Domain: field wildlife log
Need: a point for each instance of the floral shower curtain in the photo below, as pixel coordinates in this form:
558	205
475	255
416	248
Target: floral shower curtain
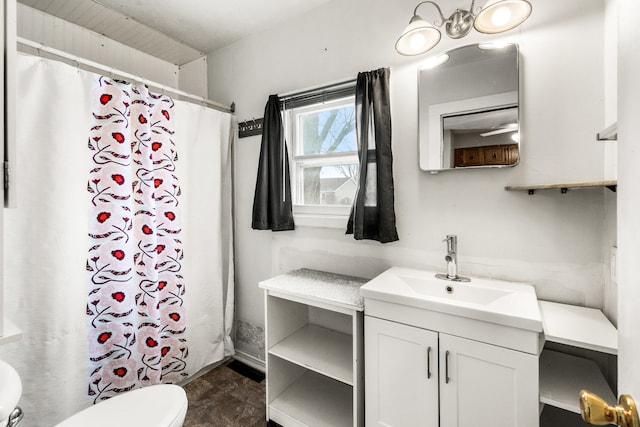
136	292
46	239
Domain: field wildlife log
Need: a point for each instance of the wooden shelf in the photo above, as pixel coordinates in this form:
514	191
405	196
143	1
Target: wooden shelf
531	189
322	350
581	327
562	376
314	400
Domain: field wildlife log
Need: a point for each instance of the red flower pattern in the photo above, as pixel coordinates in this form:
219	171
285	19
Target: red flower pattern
118	296
135	305
104	337
120	371
119	179
118	136
105	98
103	216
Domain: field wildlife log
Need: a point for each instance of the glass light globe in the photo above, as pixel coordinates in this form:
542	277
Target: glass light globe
498	16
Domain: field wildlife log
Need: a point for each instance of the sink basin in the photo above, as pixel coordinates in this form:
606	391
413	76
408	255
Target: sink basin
464	292
496	301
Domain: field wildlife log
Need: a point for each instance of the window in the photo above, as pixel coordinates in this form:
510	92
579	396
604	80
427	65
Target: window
324	158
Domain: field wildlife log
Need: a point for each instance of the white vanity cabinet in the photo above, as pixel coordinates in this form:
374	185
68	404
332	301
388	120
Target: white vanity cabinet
448	354
314	349
486	385
479	384
401	374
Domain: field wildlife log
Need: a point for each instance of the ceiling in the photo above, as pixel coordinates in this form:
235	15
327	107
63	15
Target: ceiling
176	31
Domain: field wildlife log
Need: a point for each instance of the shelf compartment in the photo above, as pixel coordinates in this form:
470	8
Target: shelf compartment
314	400
562	376
319	349
531	189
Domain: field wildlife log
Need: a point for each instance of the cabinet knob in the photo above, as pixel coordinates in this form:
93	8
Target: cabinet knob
596	411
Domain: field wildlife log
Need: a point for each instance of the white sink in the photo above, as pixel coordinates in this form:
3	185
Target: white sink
496	301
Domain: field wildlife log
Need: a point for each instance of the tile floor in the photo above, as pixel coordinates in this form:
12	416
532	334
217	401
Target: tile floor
225	398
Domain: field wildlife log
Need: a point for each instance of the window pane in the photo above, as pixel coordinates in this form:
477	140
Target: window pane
330	185
328	131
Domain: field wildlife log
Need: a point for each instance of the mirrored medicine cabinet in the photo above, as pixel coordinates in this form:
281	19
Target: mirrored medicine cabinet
468	108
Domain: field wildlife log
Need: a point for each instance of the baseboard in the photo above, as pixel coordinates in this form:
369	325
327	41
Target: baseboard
250	360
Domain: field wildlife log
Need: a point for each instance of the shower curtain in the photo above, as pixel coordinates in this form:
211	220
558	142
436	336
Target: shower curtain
136	304
46	237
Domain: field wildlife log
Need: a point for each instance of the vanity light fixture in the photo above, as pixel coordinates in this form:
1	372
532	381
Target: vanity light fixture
496	16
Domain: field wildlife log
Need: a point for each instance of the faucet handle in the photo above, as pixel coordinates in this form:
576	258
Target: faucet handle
452	241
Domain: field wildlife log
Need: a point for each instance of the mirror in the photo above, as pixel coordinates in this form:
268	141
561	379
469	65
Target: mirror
468	108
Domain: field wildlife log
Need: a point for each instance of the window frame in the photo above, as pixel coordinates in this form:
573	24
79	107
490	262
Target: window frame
313	214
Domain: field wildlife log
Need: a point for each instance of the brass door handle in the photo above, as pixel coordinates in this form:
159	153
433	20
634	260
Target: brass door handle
596	411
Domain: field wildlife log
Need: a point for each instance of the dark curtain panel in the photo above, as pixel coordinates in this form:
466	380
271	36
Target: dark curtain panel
272	207
372	215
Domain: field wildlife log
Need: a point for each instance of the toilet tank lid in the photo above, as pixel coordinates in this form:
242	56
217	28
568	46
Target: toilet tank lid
156	405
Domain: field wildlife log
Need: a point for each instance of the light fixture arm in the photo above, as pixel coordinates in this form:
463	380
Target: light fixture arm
458	24
436	23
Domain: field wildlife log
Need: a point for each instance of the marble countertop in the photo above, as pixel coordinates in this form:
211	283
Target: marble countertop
319	285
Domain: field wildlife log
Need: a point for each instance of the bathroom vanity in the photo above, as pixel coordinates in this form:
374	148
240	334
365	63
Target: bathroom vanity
437	352
441	353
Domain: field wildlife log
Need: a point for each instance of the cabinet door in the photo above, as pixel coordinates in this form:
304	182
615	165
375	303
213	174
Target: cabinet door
483	385
401	375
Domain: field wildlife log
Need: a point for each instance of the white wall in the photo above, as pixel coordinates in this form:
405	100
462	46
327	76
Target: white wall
551	240
192	77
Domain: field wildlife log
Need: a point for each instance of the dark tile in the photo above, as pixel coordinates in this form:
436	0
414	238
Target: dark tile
225	398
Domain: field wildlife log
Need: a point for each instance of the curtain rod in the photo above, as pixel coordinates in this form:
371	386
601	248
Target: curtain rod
316	90
124	74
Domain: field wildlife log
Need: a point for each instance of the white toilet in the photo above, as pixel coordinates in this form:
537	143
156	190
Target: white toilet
162	405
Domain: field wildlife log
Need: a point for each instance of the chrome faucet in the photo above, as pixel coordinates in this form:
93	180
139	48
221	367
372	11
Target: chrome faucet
452	261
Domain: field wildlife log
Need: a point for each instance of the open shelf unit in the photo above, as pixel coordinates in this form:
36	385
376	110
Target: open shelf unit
562	375
314	345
